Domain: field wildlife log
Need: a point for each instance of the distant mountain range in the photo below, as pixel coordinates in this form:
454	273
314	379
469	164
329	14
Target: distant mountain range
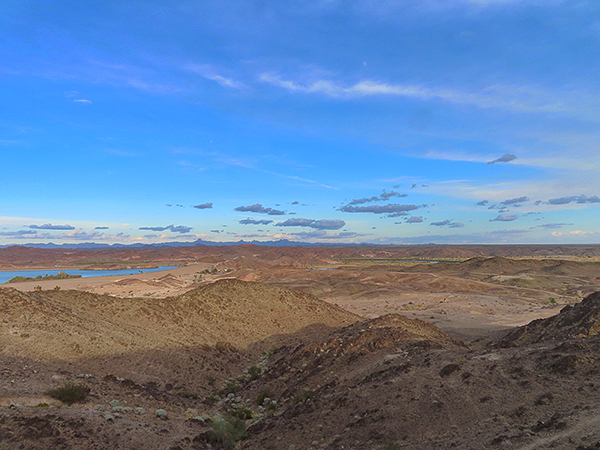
199	242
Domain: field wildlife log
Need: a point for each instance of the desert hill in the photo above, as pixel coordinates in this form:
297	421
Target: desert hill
26	257
385	383
501	265
397	383
578	321
74	323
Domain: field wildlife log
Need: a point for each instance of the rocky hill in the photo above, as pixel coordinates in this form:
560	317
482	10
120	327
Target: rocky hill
579	321
381	384
394	383
74	323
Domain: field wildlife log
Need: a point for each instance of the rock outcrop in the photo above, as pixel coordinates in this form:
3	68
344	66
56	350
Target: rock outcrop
578	321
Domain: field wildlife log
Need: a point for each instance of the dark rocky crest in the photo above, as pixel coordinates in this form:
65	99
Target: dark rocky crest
579	321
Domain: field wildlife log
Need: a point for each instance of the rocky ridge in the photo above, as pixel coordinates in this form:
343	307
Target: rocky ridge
386	383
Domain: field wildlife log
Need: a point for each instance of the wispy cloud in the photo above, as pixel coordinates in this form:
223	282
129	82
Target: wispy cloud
207	71
82	100
580	233
76	235
515	98
323	235
19	233
554	225
117	152
491	237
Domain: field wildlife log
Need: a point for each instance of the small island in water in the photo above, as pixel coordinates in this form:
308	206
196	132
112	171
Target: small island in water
62	275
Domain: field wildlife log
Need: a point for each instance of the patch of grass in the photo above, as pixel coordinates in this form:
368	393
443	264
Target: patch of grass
70	393
305	396
226	431
43	405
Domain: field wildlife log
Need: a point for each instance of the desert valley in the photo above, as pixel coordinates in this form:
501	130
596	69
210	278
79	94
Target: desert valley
298	348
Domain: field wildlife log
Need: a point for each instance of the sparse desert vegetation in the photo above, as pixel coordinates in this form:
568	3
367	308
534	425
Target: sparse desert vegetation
69	393
287	363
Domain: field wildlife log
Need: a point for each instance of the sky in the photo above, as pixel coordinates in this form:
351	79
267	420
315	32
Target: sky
324	121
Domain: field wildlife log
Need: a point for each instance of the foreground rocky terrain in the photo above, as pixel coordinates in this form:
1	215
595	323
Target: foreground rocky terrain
251	366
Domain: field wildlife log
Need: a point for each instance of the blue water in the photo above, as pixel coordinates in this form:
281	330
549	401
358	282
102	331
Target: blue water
5	276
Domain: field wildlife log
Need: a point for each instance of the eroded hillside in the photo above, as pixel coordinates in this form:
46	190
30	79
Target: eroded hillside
171	374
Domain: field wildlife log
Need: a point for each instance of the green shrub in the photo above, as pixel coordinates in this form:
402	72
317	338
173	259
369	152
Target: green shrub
211	400
231	387
270	411
241	413
188	394
226	431
43	405
265	393
391	446
305	396
70	393
254	372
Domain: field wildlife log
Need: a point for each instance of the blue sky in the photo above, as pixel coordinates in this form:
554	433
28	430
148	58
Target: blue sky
408	121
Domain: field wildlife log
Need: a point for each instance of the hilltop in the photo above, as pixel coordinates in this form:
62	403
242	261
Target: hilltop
242	314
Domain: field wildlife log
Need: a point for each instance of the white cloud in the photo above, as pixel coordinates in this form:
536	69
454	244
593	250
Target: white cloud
82	100
525	99
390	8
575	233
208	72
